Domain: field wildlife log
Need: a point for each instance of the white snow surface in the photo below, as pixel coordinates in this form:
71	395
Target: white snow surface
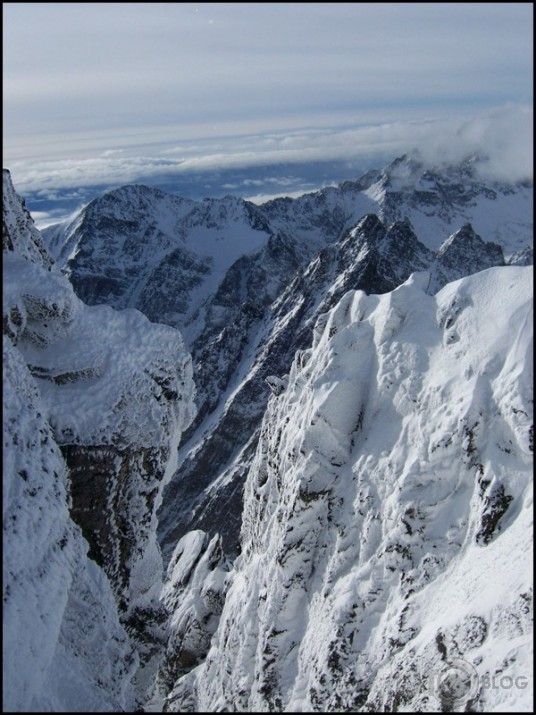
387	528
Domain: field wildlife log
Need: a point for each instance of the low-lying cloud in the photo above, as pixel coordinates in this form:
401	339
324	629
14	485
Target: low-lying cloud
504	136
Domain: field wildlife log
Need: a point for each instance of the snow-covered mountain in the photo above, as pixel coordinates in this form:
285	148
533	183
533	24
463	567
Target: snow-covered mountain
231	275
343	515
138	247
387	516
436	201
95	402
370	257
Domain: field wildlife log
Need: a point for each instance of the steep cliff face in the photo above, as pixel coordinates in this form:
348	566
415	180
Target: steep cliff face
98	400
64	646
463	254
18	231
386	527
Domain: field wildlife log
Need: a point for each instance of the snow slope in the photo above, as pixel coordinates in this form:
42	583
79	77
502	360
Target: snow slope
387	521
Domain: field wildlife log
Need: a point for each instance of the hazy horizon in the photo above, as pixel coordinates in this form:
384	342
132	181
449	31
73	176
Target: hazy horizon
257	99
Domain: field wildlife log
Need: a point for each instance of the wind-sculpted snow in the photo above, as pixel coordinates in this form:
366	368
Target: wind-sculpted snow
387	518
64	648
96	402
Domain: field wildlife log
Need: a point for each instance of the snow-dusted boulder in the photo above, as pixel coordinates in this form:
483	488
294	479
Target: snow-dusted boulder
193	593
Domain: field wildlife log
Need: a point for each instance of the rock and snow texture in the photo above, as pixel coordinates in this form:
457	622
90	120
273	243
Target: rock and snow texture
387	522
437	202
193	594
95	404
139	247
18	231
385	530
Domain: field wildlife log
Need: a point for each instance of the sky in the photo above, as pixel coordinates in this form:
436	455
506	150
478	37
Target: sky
258	98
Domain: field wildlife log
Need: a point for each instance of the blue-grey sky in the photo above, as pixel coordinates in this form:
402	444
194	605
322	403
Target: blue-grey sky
99	93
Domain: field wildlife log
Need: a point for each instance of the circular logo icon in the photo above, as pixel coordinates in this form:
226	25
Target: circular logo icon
455	683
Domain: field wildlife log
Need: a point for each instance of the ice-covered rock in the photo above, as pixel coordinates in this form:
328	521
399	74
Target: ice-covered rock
193	593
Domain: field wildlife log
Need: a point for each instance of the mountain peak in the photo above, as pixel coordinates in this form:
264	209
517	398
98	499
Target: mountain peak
369	225
464	237
19	233
464	253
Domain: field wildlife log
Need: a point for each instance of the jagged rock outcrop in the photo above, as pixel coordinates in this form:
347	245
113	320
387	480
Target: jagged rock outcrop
524	257
194	594
18	231
108	395
386	528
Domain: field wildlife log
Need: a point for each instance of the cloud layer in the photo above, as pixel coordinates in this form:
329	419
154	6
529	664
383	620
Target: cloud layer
505	135
103	94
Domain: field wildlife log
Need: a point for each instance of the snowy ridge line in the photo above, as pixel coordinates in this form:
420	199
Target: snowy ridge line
371	257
